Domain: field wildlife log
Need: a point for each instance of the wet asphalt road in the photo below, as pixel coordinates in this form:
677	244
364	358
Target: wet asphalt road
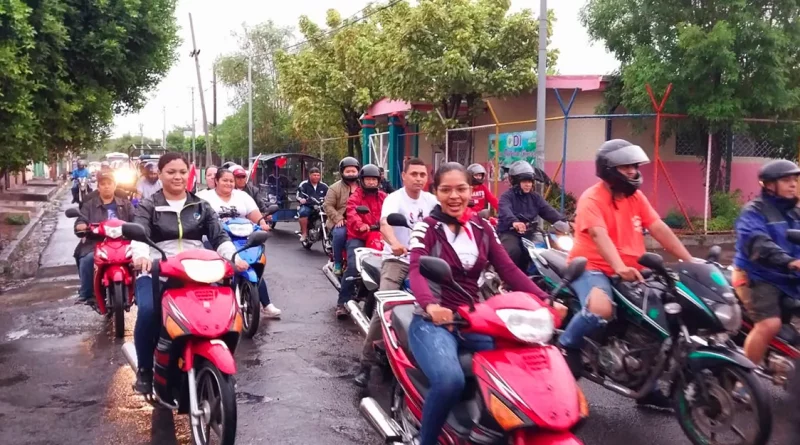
63	379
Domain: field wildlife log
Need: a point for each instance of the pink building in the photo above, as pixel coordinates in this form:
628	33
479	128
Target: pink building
584	135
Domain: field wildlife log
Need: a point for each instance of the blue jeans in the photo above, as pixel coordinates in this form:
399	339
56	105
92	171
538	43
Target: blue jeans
346	291
339	241
585	323
148	323
436	351
86	274
304	211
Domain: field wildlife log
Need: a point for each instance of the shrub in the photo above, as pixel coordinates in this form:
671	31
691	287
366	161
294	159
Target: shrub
17	220
675	220
725	208
554	199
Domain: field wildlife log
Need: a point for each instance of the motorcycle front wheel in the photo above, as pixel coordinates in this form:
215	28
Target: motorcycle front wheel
216	398
251	313
712	420
118	306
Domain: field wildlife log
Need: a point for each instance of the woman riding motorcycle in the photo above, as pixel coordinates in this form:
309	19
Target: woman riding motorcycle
175	220
480	193
468	244
230	203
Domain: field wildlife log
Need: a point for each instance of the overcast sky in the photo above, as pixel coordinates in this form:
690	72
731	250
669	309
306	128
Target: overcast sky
215	21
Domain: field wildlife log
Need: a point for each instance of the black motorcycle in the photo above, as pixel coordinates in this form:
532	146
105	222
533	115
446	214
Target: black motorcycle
671	333
316	227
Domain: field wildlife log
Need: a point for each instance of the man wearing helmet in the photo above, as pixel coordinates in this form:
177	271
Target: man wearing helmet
80	172
335	205
519	206
480	193
609	232
386	186
240	178
148	184
369	194
766	262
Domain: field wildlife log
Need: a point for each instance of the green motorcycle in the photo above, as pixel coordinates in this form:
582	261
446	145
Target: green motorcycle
670	334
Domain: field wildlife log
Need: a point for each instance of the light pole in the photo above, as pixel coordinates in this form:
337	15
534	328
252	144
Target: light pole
194	153
541	88
249	109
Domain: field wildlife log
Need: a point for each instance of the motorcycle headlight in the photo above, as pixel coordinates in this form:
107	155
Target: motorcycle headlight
113	232
528	326
273	199
124	176
241	230
565	242
730	315
203	271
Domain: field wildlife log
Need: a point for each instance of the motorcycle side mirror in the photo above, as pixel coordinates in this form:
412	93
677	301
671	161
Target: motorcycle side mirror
272	209
484	213
793	236
362	210
575	269
714	253
72	213
436	270
397	220
653	261
561	227
256	239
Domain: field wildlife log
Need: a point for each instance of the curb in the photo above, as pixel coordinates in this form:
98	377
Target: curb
12	249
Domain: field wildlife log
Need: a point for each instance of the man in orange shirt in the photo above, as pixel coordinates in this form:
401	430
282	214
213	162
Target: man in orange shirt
609	223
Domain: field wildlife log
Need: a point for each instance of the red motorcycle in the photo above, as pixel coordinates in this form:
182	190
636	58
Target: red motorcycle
520	393
202	323
113	270
374	241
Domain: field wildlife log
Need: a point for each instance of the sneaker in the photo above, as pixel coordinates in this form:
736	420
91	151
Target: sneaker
302	238
337	269
144	382
574	360
362	378
81	300
341	312
271	311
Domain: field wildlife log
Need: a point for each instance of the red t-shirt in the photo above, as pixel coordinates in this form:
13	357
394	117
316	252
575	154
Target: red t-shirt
624	219
481	195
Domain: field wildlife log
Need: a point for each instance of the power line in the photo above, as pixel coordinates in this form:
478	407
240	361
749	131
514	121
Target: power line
352	20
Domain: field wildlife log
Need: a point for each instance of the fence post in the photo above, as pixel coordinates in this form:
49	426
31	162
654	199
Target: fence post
565	110
708	186
658	108
496	148
367	130
392	164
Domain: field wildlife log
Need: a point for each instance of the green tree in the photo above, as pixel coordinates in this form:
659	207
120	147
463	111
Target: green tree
272	129
86	61
450	52
333	78
727	60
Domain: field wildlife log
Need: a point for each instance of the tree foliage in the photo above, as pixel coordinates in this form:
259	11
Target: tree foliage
333	78
67	66
271	112
727	60
445	52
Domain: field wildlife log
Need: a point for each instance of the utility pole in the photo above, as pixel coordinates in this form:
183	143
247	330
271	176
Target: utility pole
249	109
141	133
194	153
164	131
541	88
195	52
214	94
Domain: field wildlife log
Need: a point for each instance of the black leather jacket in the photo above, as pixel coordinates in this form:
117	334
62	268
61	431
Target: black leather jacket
197	218
92	212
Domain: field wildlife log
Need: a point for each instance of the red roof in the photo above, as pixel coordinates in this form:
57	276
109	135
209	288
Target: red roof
583	82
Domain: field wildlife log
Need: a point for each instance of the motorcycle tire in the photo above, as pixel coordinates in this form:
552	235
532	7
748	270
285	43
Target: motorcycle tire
213	385
251	309
118	306
759	401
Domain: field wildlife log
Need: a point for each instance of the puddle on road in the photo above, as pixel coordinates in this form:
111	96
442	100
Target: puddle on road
16	335
251	399
13	380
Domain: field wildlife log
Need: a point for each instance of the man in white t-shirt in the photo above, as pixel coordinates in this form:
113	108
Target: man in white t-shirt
415	204
148	184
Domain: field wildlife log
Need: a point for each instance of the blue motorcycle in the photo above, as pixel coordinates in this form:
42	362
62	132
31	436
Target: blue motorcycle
246	283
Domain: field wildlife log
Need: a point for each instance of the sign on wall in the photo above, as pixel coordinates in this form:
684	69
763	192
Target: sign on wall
517	146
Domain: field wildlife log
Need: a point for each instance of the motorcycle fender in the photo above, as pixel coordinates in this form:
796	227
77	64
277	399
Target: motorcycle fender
711	357
114	274
215	351
249	275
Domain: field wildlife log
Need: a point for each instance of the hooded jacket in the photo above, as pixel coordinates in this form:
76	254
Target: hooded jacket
516	206
353	220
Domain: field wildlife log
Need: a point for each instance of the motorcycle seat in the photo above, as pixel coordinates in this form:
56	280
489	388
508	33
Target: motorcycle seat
401	321
557	261
372	266
790	304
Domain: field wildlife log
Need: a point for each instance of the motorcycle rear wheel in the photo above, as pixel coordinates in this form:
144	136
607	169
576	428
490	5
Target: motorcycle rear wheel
703	421
251	313
118	306
216	397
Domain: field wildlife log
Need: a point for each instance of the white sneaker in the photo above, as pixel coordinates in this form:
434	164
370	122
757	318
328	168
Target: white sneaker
271	311
302	238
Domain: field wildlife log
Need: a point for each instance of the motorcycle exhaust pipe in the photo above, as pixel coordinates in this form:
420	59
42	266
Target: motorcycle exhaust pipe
358	317
129	351
377	417
328	271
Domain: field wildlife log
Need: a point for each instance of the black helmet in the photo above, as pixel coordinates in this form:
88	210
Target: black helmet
476	169
616	153
521	171
774	170
348	162
369	171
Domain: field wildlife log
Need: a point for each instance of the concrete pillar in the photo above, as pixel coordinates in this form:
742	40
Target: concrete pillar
367	130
